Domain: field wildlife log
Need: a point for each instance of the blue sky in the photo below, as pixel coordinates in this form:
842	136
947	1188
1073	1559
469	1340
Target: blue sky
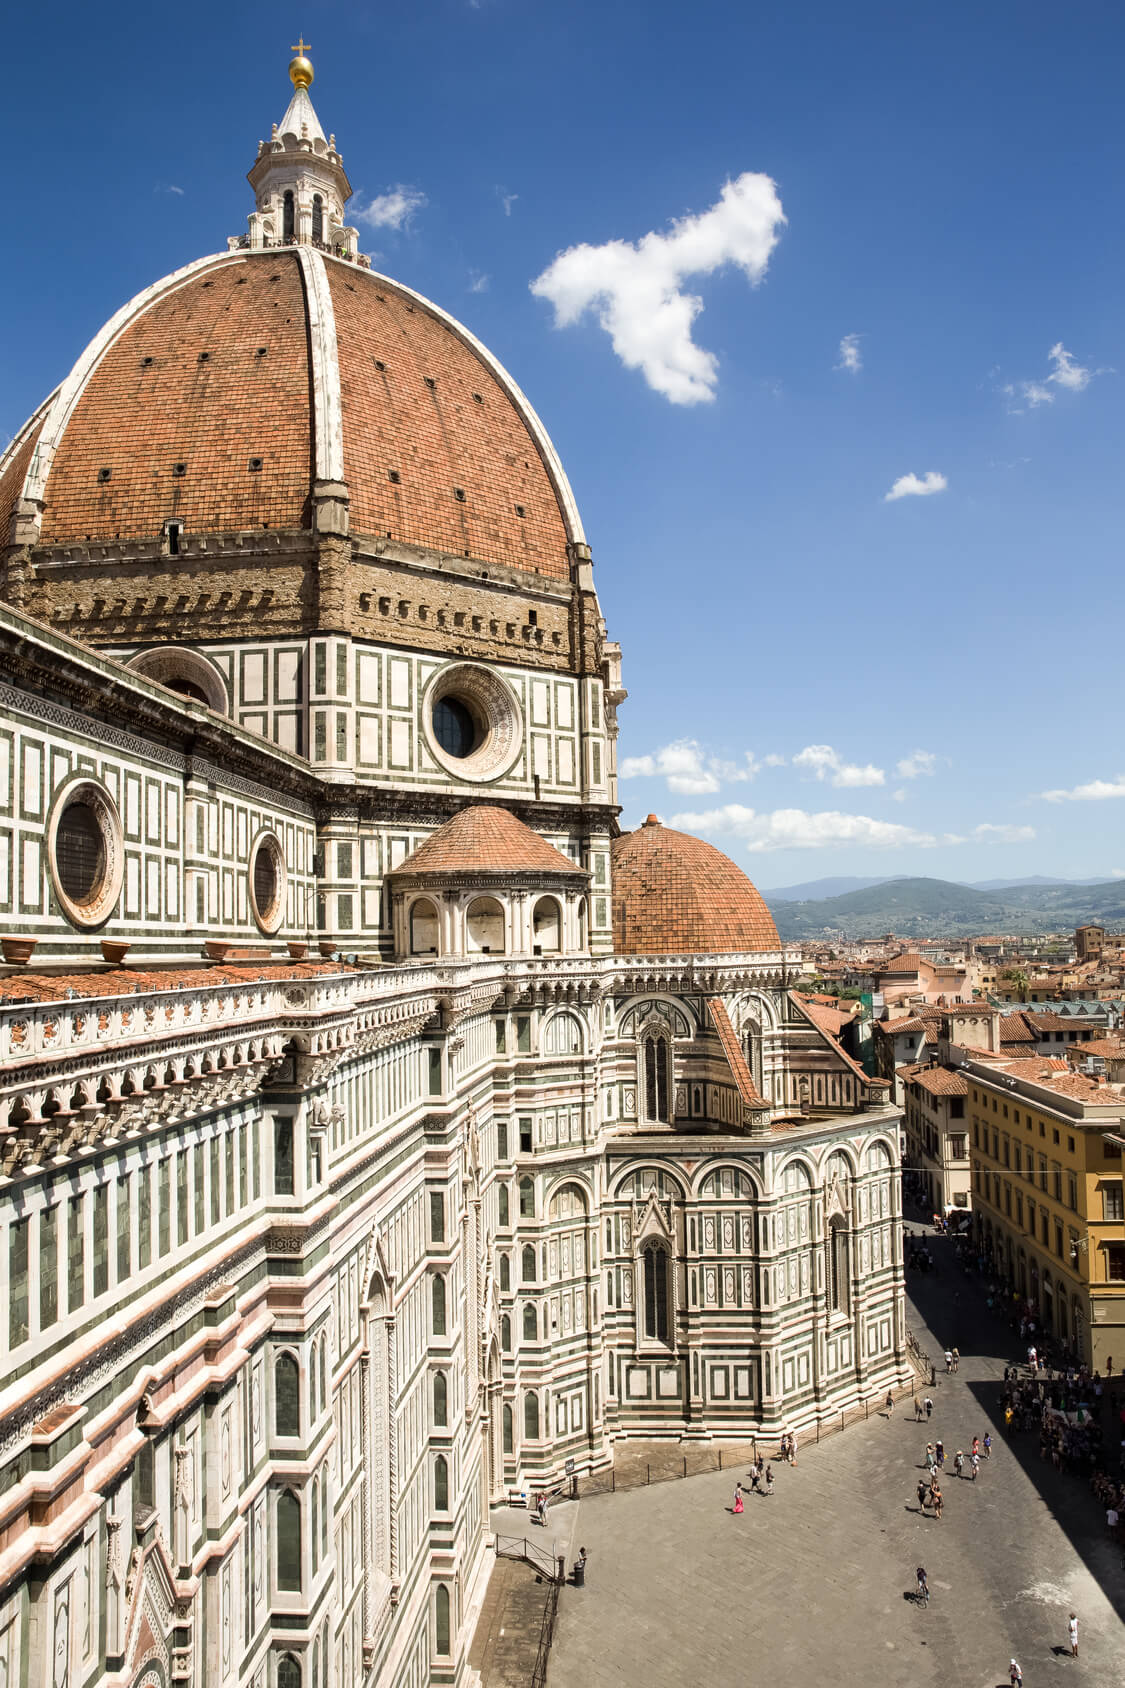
822	680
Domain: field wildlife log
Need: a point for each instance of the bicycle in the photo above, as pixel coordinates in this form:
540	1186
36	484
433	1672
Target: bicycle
923	1591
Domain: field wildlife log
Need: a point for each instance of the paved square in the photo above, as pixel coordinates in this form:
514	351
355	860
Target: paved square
808	1585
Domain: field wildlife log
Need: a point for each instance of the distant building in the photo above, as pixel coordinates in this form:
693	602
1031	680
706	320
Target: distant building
1089	942
936	1136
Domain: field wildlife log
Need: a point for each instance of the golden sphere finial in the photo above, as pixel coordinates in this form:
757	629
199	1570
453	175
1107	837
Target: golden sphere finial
300	68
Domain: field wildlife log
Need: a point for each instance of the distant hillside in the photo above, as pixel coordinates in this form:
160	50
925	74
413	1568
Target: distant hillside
813	889
932	908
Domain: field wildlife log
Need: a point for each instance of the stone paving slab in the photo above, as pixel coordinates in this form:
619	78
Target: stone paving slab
809	1585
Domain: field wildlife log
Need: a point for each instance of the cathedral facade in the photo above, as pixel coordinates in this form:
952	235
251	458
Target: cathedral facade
382	1130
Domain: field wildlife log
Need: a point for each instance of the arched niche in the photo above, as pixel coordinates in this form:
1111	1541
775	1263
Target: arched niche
547	927
423	921
484	927
185	671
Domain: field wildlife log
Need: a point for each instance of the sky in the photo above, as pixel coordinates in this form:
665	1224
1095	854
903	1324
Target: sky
821	306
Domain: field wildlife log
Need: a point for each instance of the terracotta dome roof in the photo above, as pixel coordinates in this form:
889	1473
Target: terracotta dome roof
219	397
486	839
675	895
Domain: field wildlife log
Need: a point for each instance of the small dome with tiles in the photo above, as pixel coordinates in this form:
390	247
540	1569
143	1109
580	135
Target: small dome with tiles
676	895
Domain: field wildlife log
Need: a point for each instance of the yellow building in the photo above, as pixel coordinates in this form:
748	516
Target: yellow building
1046	1152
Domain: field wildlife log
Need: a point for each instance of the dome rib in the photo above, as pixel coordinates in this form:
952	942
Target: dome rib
676	895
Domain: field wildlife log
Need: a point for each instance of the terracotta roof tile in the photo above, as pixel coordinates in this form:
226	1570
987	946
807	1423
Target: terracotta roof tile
486	839
136	981
736	1060
675	895
939	1081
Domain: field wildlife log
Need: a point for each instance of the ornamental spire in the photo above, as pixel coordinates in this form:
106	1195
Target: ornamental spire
300	187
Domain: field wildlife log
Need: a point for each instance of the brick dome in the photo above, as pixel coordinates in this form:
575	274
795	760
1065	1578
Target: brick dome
675	895
221	397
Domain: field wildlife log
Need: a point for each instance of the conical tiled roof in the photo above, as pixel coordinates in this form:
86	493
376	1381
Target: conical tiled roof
486	839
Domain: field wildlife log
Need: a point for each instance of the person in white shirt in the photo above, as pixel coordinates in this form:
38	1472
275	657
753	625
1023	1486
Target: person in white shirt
1072	1630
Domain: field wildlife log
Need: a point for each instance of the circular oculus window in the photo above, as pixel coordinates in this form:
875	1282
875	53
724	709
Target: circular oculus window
268	881
472	722
85	852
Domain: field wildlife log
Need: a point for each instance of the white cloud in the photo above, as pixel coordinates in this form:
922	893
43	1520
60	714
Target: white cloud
688	768
917	763
1066	372
636	288
391	210
900	795
801	829
773	760
478	281
1092	792
828	764
168	187
1117	873
910	486
506	199
988	833
850	358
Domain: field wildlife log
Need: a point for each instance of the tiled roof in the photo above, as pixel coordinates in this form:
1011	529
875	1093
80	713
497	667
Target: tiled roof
1109	1048
1015	1029
736	1060
833	1044
829	1019
212	371
485	839
137	981
912	1023
675	895
1051	1022
907	962
940	1081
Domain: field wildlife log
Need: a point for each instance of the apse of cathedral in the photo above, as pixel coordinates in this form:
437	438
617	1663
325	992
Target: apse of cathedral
383	1131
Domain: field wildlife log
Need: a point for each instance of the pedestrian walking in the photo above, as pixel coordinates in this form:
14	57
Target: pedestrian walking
793	1448
889	1403
1032	1359
1072	1629
937	1500
930	1458
738	1505
959	1463
975	1449
754	1478
923	1494
919	1410
939	1455
975	1463
769	1479
1015	1675
956	1358
929	1406
948	1361
988	1445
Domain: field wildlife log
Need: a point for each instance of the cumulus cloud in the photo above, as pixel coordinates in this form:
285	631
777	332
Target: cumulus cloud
827	764
850	358
802	829
1068	373
688	768
919	762
1092	792
913	486
391	210
636	288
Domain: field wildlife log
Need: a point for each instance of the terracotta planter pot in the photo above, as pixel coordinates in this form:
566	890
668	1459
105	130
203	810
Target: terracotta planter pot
18	951
114	951
217	950
327	948
297	952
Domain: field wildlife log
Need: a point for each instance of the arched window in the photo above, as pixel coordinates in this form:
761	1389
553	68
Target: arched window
312	1387
288	1542
656	1292
530	1323
316	1663
527	1199
838	1269
286	1396
323	1656
438	1294
324	1515
505	1272
318	217
441	1484
289	1671
527	1265
287	217
441	1398
314	1533
423	928
508	1447
441	1620
484	926
506	1334
531	1416
324	1372
502	1205
546	927
657	1064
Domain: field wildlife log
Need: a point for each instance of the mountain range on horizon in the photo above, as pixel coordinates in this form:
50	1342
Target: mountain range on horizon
934	908
836	885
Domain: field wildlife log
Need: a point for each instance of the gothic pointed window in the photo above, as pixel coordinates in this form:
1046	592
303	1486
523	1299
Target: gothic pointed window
318	217
838	1266
507	1428
530	1324
288	1542
441	1484
656	1292
287	216
441	1398
657	1071
531	1416
286	1396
